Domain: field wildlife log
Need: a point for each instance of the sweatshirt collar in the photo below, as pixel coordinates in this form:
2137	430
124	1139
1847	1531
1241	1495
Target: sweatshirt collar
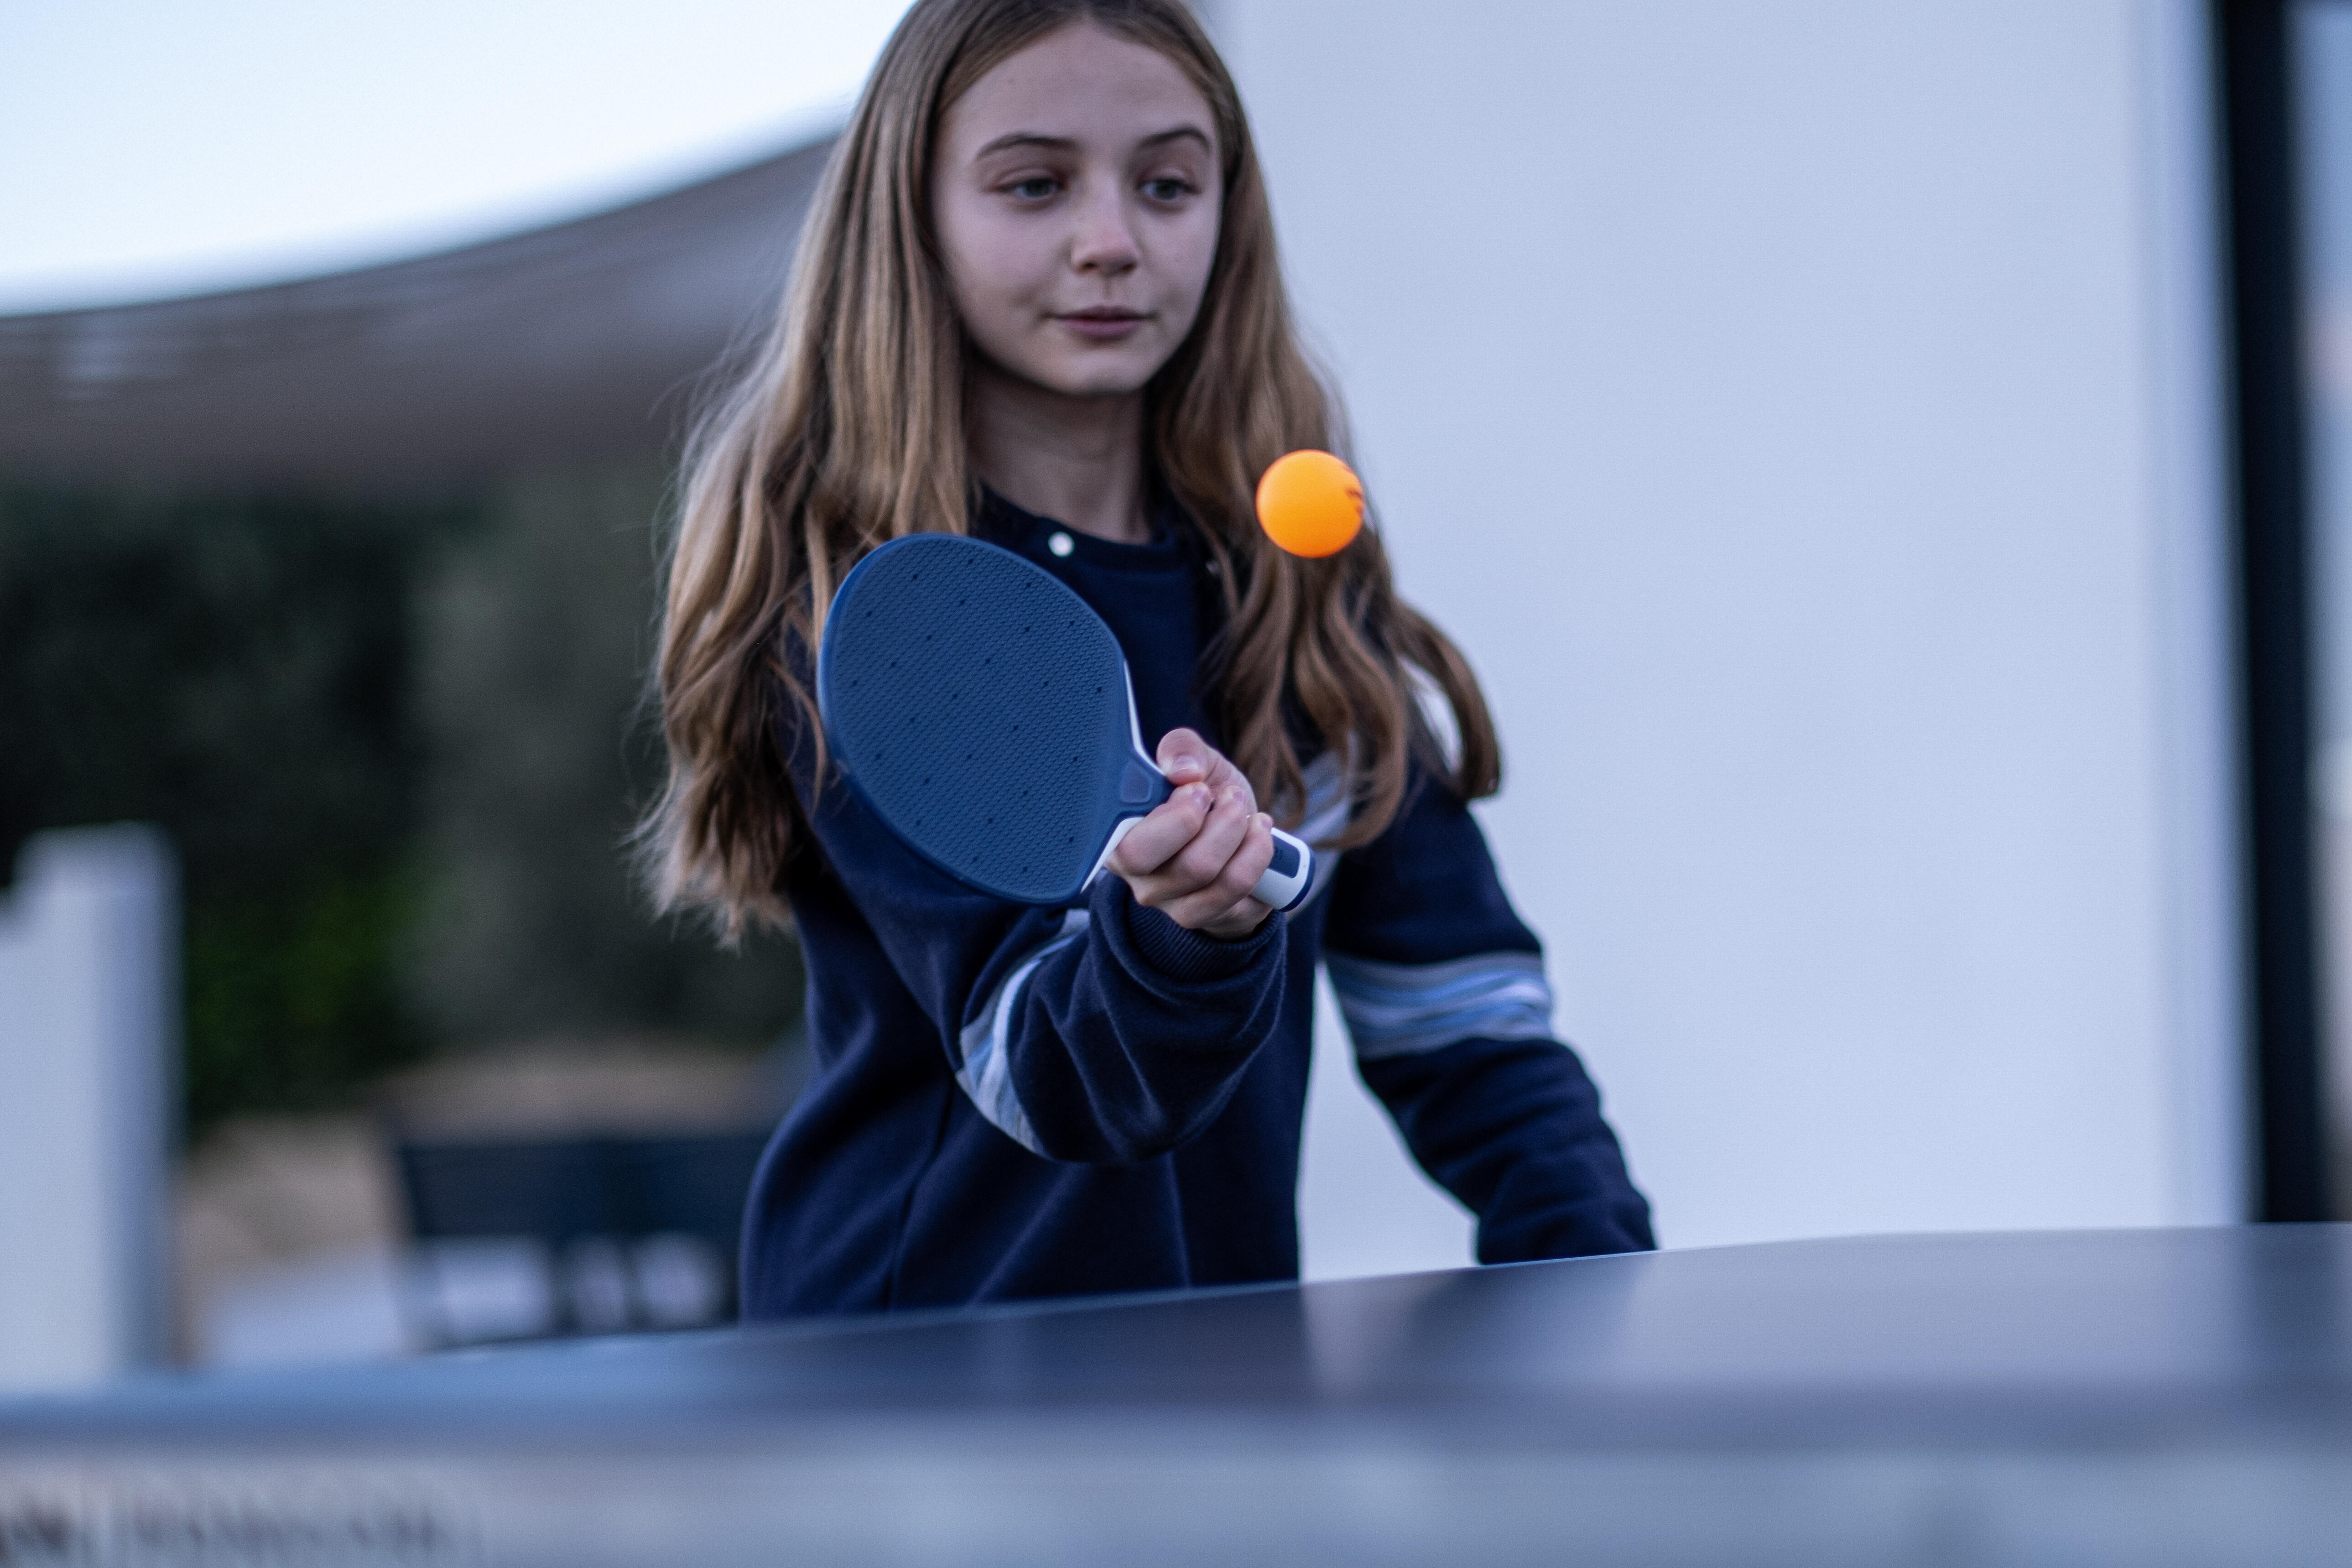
1000	521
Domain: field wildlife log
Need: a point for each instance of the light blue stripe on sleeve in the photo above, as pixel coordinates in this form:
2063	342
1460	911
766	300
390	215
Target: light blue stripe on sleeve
1404	1009
986	1073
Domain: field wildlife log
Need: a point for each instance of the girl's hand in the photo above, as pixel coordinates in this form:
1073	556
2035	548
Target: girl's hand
1202	850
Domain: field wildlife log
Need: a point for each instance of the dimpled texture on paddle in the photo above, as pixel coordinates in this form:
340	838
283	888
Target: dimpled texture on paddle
980	707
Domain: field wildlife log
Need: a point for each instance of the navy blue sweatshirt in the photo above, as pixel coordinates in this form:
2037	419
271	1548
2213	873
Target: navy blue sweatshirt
1012	1102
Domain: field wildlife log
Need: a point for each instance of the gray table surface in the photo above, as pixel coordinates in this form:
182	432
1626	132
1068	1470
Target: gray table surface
2120	1397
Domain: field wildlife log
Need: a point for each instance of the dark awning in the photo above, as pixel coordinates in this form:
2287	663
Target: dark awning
589	338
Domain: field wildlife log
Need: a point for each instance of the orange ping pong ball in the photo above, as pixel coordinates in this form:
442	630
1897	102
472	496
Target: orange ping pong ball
1311	503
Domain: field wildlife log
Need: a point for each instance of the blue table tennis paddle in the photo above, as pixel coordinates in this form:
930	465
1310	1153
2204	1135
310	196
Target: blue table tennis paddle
983	711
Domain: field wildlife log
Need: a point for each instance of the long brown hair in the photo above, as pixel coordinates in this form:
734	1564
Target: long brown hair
848	430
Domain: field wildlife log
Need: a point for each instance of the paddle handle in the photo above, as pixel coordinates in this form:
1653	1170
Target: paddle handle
1283	886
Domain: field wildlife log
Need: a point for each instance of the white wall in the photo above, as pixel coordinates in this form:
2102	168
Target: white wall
1805	414
88	1015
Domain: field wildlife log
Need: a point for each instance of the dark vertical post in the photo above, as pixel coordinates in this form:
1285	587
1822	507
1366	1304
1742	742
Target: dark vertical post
2275	605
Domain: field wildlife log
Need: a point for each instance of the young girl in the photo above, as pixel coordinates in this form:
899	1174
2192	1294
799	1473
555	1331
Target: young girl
1036	300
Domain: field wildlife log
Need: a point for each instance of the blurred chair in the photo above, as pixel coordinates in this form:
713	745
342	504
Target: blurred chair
531	1238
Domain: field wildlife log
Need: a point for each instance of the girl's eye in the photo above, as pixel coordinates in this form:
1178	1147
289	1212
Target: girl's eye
1168	188
1036	188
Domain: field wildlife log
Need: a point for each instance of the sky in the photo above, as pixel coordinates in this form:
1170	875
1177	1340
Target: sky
149	148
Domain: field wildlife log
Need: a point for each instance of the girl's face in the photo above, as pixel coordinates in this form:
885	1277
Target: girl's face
1076	195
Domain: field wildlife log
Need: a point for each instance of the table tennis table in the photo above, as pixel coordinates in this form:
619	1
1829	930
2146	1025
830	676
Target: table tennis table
2146	1397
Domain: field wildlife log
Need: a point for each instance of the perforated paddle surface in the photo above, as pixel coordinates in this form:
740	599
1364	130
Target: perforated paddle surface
980	707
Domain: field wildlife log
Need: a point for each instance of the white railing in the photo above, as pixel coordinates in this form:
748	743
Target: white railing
89	1036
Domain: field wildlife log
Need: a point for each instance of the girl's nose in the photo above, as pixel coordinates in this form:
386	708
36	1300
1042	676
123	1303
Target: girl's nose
1105	241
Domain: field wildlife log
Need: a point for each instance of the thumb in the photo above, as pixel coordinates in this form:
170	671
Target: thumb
1184	757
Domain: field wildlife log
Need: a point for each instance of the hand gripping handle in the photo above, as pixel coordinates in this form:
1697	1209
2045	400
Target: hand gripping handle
1281	887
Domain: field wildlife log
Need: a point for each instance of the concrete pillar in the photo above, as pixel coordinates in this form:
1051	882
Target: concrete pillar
89	1039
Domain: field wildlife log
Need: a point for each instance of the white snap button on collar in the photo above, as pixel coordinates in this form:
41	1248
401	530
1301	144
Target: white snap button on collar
1061	543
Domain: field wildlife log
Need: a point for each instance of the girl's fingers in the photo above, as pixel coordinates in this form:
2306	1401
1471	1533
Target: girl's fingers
1203	841
1163	834
1186	758
1227	896
1222	905
1199	863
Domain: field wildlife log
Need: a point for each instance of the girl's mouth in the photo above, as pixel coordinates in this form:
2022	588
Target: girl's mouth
1103	323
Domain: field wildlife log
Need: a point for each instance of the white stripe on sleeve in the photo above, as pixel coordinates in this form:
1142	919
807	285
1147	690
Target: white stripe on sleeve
1404	1009
986	1073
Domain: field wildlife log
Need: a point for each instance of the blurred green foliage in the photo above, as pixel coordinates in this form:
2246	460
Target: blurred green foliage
537	632
398	746
234	668
294	995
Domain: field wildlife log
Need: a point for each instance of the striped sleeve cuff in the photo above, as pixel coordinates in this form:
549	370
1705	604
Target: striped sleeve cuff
1404	1009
